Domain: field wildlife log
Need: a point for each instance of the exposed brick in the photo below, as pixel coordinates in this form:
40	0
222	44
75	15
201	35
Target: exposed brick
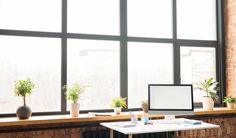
202	133
233	136
4	135
48	132
59	132
230	44
75	136
61	137
227	130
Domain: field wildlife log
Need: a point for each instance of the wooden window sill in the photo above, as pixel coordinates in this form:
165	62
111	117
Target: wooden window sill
86	118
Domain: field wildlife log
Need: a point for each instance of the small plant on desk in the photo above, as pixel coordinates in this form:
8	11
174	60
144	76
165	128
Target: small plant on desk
118	103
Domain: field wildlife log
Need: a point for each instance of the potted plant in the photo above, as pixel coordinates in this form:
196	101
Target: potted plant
210	88
22	89
73	94
230	102
118	103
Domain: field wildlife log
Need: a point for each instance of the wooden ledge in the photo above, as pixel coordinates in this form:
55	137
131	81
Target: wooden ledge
87	118
216	111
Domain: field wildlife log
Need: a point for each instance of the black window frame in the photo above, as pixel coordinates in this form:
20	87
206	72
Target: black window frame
123	38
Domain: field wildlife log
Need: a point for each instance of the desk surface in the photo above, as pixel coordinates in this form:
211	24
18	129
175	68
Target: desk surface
155	127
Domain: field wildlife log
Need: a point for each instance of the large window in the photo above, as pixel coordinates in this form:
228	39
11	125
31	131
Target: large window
114	47
197	58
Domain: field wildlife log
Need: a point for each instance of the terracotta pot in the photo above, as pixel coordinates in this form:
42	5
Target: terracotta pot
207	103
74	109
230	105
117	110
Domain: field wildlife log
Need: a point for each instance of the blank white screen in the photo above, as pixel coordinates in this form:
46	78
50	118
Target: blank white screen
170	97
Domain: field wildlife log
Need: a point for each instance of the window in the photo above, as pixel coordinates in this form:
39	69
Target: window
147	63
114	47
93	16
152	18
196	19
197	64
94	64
33	15
34	58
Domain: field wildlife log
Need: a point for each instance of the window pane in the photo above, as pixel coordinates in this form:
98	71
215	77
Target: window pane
94	64
34	58
197	64
36	15
150	18
196	19
93	16
147	63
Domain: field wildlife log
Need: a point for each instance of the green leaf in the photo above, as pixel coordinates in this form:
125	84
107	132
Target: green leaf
23	87
229	99
119	102
73	93
210	87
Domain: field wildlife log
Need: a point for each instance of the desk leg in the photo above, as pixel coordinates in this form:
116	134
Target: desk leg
130	136
111	133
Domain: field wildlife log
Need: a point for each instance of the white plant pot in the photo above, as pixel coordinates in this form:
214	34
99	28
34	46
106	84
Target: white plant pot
74	109
117	110
207	103
230	105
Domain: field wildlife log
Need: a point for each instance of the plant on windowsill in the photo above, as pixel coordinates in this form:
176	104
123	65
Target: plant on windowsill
73	94
22	89
118	104
144	105
229	100
210	88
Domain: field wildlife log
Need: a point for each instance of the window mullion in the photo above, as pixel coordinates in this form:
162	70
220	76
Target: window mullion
64	55
123	49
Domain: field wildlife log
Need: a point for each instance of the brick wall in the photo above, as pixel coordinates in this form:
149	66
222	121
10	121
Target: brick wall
230	43
227	130
51	133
